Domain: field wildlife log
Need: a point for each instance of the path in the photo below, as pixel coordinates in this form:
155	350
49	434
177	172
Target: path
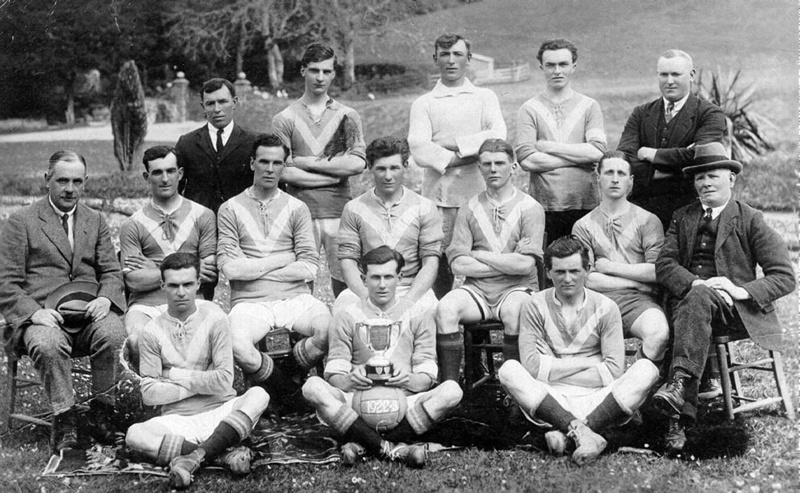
156	132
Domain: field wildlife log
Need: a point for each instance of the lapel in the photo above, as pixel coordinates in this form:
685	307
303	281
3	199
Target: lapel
233	141
692	221
203	141
52	229
684	121
81	232
651	120
727	222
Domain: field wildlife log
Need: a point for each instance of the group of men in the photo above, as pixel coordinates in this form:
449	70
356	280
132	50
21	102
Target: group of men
258	209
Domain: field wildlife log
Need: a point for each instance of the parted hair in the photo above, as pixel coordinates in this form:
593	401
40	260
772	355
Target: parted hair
215	84
614	155
379	256
497	145
65	156
447	40
318	52
385	147
180	260
156	152
268	140
564	247
558	44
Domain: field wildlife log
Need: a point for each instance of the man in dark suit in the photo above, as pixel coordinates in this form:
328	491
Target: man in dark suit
708	265
659	136
52	242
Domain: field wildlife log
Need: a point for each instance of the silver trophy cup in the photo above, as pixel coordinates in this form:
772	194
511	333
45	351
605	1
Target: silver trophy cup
379	334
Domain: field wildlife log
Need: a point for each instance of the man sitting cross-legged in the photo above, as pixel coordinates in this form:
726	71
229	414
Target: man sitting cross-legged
169	223
571	358
186	365
496	237
266	248
414	368
391	214
623	241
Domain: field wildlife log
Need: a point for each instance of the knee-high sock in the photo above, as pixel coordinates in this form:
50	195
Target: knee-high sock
449	350
270	376
510	347
172	446
551	411
605	414
231	430
306	354
361	433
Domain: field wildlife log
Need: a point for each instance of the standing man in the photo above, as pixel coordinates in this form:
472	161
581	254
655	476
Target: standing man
390	214
446	128
266	248
561	137
413	360
623	242
572	355
659	136
53	242
326	145
497	236
187	370
708	265
169	223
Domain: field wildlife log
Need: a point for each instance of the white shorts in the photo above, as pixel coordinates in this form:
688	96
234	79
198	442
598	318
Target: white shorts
270	315
489	312
199	427
427	303
580	401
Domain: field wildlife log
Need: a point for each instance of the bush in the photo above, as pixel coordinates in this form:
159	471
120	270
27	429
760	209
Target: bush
127	185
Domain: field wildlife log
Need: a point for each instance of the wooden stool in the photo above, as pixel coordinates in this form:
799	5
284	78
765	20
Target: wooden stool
478	342
732	387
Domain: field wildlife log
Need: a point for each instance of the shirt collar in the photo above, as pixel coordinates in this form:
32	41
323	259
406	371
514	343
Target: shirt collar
226	131
442	91
715	211
163	211
583	305
59	212
249	193
678	104
377	198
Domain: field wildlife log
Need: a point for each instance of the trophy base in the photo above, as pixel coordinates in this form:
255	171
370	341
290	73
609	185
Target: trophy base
379	373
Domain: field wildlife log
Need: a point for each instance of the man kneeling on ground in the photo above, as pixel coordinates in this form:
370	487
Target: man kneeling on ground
186	363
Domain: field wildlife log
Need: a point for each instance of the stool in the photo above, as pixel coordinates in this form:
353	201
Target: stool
277	343
478	341
732	387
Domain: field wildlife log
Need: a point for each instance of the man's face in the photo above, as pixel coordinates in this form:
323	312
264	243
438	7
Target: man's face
65	184
714	187
568	276
219	107
180	286
318	76
675	76
557	67
388	173
268	166
452	62
615	178
163	177
381	282
496	168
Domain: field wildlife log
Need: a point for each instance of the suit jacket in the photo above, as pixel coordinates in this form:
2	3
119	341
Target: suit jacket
209	179
744	240
36	258
698	122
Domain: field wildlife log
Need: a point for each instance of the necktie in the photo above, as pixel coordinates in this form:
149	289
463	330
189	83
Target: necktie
707	215
65	223
220	145
670	109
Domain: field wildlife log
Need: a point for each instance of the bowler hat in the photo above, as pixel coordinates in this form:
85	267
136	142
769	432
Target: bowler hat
70	301
711	156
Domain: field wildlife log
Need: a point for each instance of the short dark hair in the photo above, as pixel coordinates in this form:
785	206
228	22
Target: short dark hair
564	247
614	155
379	256
318	52
65	156
180	260
215	84
385	147
497	145
268	140
156	152
447	40
558	44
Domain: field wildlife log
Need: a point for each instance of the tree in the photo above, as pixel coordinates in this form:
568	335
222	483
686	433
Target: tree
128	117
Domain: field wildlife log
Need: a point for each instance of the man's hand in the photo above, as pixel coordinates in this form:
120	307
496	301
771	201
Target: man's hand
98	308
208	270
48	318
399	378
725	296
544	348
646	154
138	261
721	283
525	247
358	378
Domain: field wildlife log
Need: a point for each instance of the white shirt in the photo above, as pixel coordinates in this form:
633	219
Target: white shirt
678	105
226	134
70	221
715	211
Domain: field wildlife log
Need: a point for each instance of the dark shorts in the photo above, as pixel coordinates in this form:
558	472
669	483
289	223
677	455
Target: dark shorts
632	304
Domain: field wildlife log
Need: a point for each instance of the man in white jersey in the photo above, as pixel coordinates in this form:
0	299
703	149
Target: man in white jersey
623	242
445	129
413	361
187	370
267	250
391	214
168	224
572	354
496	240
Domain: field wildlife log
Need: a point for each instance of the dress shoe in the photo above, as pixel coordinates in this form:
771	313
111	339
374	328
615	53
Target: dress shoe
675	439
64	433
669	398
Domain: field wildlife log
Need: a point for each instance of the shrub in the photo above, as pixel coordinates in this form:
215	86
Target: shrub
128	117
124	185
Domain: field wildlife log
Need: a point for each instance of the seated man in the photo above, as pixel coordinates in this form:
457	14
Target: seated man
708	265
53	242
571	358
186	365
412	355
623	242
168	224
390	214
496	237
267	250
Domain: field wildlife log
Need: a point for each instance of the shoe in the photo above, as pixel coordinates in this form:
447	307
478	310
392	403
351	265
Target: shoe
669	398
675	439
64	432
556	442
182	468
710	388
410	455
588	443
236	460
352	453
101	423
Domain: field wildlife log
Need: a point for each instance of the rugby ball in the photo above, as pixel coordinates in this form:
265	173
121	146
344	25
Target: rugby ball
381	407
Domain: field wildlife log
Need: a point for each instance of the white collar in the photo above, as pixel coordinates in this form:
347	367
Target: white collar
226	131
715	211
59	212
678	104
442	91
165	211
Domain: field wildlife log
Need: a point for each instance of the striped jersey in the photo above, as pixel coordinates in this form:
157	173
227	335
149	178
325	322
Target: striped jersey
632	237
